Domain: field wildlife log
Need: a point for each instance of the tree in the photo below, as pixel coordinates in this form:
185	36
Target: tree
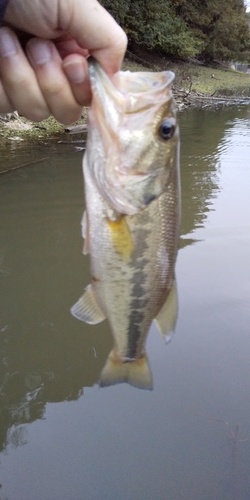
221	27
208	29
153	25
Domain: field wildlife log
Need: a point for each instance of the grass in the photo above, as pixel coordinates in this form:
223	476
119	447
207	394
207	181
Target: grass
209	80
204	79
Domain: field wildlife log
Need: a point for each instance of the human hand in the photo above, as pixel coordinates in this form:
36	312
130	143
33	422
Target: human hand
50	76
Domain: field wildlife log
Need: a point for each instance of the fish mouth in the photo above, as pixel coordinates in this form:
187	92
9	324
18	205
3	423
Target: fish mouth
132	91
144	82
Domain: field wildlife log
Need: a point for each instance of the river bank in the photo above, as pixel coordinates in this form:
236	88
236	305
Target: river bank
195	84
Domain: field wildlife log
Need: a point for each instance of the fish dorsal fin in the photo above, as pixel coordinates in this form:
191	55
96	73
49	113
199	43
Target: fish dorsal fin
166	318
135	372
86	308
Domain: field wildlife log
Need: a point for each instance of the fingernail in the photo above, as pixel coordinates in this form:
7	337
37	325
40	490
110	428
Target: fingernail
7	43
39	51
74	71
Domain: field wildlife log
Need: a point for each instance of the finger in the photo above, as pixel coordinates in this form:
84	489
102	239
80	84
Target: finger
65	45
20	89
96	31
76	70
5	104
85	20
53	83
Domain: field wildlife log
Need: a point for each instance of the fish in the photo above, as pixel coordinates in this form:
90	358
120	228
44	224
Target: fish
132	219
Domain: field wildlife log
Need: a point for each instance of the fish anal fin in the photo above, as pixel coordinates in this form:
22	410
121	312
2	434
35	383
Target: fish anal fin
166	318
87	309
134	372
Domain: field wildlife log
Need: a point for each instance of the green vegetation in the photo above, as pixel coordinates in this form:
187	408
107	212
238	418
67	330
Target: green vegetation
204	79
207	29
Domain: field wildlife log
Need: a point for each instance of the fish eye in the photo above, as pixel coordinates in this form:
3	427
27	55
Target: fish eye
167	130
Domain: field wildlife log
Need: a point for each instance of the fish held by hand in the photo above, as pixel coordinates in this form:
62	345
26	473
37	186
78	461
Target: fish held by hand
132	218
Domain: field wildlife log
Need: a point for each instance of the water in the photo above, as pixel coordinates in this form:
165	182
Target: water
63	438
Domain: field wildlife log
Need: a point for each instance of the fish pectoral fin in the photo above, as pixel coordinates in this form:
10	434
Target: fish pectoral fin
166	318
135	372
86	308
85	233
121	237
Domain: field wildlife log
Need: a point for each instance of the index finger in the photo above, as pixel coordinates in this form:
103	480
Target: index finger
96	30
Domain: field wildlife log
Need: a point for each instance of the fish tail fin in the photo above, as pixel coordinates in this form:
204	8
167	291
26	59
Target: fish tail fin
135	372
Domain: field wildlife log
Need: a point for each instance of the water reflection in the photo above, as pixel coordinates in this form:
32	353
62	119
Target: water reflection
46	356
205	135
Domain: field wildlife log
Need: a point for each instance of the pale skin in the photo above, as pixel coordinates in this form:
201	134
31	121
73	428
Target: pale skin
49	75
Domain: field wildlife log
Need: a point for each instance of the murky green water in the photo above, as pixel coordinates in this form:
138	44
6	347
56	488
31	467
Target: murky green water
63	438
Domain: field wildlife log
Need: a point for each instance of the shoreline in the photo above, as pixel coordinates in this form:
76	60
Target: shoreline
195	85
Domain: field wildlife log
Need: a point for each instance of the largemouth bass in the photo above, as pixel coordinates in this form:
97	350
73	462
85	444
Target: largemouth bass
131	223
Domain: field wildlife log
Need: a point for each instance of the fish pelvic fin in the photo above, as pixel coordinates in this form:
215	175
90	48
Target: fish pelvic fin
135	372
121	237
167	317
85	233
87	309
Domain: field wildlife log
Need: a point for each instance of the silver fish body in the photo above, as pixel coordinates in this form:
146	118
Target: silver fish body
131	224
